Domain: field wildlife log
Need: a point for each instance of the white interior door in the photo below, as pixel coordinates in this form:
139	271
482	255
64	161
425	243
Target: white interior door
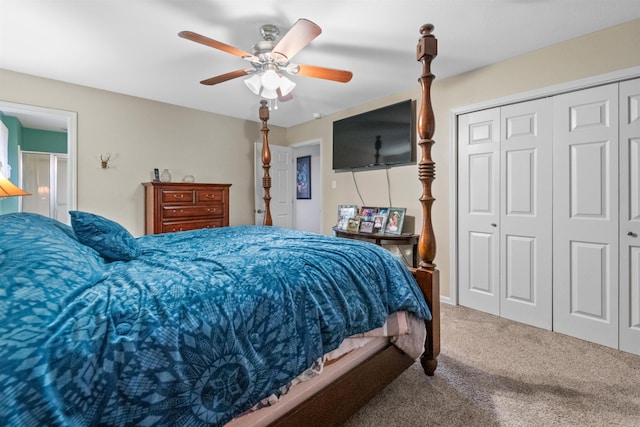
479	210
526	213
281	191
585	242
630	216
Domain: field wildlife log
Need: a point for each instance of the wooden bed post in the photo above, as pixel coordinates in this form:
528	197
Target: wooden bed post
426	274
266	162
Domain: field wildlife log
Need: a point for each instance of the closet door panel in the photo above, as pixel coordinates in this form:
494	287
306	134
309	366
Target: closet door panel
526	212
478	210
630	216
585	218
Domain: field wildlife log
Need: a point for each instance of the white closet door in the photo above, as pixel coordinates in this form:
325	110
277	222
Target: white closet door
526	213
478	210
630	216
585	223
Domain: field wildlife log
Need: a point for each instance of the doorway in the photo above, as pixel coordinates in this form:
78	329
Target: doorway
43	118
308	211
287	210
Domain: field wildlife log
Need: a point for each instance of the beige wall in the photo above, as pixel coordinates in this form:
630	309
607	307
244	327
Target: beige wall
141	135
609	50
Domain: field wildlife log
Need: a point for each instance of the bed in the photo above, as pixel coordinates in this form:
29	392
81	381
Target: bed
206	327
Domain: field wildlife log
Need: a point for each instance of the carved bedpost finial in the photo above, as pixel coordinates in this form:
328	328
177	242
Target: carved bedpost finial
427	49
266	162
426	29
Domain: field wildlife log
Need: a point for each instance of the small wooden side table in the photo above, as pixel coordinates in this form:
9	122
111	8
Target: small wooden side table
384	239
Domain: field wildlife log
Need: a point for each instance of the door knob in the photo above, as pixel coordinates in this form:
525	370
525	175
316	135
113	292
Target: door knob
259	211
632	234
493	224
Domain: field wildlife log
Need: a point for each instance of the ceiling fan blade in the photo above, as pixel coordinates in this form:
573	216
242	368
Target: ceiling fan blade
228	76
323	73
190	35
298	36
284	98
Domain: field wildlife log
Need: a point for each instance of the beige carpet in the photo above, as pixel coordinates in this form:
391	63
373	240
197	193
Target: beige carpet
495	372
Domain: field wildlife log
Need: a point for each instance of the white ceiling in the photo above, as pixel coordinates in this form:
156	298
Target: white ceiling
132	47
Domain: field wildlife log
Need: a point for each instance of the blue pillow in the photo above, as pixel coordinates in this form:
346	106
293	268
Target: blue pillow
111	240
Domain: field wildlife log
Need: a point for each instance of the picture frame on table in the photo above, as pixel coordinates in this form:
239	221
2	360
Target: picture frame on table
348	211
353	224
395	220
379	222
303	177
368	212
366	226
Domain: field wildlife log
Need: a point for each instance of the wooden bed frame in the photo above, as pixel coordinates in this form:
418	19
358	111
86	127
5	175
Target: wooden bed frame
334	404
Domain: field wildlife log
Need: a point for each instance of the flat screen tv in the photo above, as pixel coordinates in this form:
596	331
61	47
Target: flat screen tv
380	138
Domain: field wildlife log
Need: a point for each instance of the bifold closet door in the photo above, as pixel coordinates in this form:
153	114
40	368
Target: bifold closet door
479	210
585	214
630	216
504	211
526	213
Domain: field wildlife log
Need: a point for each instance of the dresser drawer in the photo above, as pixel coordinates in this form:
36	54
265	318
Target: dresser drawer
216	209
177	196
170	227
209	196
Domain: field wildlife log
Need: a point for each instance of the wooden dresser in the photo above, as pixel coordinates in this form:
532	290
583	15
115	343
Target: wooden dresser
181	206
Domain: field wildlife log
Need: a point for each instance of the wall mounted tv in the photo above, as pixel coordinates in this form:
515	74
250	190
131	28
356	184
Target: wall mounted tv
380	138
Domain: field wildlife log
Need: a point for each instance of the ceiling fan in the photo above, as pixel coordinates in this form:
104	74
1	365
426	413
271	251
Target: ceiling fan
270	60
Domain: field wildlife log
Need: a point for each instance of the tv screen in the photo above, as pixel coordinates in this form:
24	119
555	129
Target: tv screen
379	138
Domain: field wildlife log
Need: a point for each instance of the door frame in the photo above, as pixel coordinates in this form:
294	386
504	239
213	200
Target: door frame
571	86
71	120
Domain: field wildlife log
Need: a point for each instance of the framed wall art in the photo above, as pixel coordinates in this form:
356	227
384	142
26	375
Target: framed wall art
303	177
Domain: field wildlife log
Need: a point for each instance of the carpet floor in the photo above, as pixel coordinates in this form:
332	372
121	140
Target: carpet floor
496	372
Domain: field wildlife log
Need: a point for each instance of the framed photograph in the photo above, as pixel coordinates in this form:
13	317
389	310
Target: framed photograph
368	212
344	213
350	211
303	177
379	221
395	219
353	224
366	226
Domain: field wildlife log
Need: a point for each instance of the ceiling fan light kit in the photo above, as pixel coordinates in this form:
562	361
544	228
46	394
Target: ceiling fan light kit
270	60
269	84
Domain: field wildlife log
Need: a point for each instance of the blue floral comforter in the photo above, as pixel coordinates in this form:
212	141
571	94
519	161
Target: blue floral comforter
198	327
